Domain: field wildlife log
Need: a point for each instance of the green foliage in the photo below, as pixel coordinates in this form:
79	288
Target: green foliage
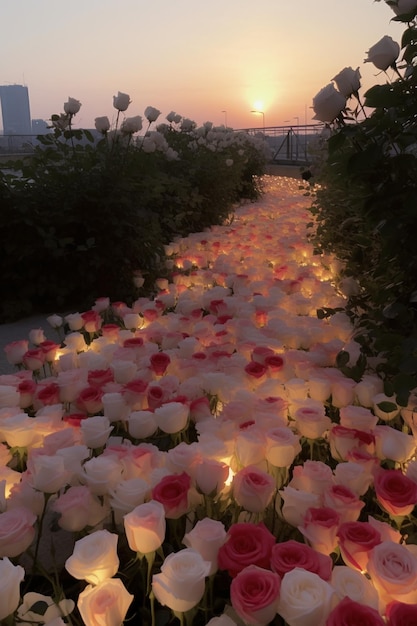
365	212
82	216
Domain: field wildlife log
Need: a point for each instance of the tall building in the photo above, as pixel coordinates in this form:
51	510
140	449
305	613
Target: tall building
15	110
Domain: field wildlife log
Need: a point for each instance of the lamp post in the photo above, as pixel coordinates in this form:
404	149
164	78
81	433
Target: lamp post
225	118
263	117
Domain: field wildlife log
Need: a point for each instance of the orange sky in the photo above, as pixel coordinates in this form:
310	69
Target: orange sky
198	59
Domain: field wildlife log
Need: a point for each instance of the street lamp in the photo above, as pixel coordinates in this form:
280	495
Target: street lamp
225	118
263	117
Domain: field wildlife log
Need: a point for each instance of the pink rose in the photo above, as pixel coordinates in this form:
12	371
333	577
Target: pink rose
90	400
16	531
92	321
246	544
343	440
313	476
254	594
34	359
106	603
311	421
356	541
172	493
393	571
395	492
50	349
253	489
351	613
207	537
401	614
289	554
15	351
344	501
79	508
320	527
145	527
282	446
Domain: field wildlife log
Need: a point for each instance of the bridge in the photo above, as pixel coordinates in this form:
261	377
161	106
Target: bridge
290	145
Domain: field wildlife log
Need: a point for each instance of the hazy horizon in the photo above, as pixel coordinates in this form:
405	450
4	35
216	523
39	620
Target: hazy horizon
212	63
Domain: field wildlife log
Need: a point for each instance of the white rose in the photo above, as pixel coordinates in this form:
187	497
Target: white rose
94	557
48	473
172	417
11	576
72	106
328	103
384	53
102	124
402	7
131	125
152	114
141	424
111	594
127	495
102	474
296	504
174	118
351	583
114	406
121	101
181	583
305	598
348	81
95	431
393	444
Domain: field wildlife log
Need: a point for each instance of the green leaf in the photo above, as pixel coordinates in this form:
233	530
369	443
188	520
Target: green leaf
385	96
409	36
342	358
387	407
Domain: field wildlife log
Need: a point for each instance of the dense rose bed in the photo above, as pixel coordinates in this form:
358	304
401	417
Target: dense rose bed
198	458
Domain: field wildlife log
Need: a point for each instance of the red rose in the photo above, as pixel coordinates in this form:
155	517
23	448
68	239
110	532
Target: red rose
172	493
48	394
155	396
396	493
356	540
98	378
246	544
159	363
351	613
255	369
290	554
133	342
274	362
401	614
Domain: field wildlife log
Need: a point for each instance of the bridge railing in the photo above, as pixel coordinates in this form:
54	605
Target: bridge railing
291	145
